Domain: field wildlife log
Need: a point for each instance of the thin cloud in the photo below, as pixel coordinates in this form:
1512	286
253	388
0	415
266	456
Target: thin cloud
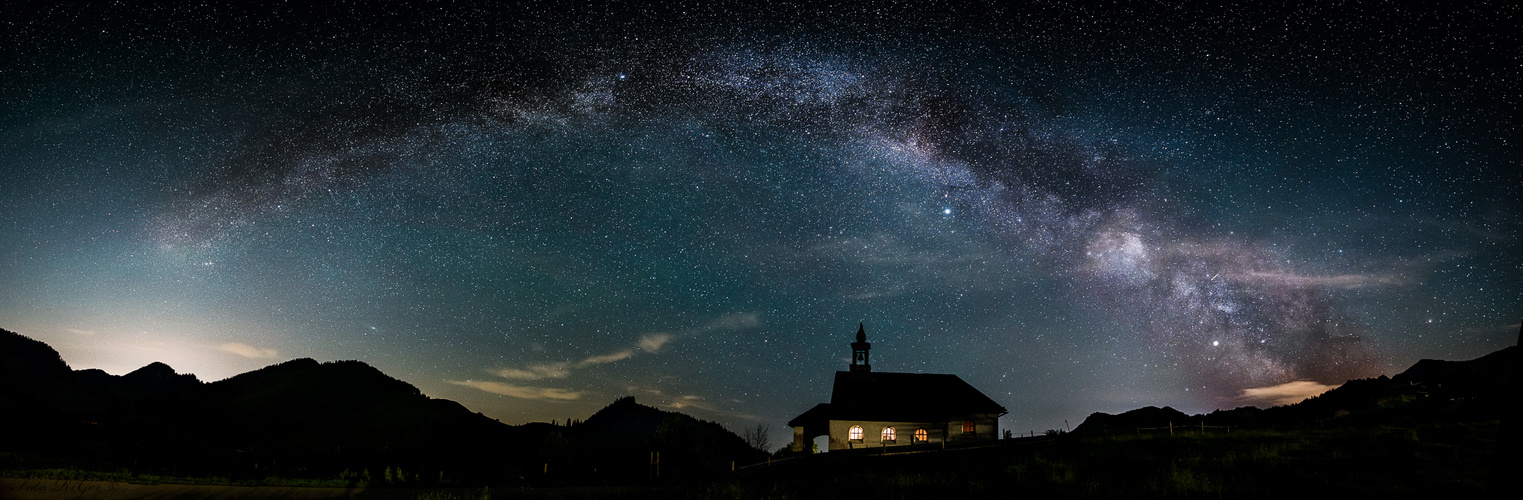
1284	394
537	372
77	331
649	343
1344	281
691	402
521	392
248	351
652	343
606	358
561	369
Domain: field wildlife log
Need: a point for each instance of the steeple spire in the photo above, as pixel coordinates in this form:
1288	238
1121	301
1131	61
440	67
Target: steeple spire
859	352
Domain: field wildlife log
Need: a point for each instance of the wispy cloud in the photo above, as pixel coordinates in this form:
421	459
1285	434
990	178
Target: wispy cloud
1283	394
521	392
561	369
248	351
732	321
689	400
652	343
536	372
77	331
1345	281
606	358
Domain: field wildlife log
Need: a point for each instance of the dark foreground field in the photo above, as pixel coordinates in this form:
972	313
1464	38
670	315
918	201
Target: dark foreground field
1448	459
59	489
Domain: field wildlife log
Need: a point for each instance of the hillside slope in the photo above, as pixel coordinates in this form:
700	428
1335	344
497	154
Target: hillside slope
1477	389
341	419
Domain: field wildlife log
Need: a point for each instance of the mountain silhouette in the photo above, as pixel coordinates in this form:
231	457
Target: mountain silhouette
624	438
340	419
151	380
1145	417
304	414
42	398
1476	389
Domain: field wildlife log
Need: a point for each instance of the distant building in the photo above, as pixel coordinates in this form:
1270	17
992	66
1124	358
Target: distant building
879	409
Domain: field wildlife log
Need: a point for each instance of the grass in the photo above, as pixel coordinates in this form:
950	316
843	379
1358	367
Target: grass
485	494
1452	459
124	476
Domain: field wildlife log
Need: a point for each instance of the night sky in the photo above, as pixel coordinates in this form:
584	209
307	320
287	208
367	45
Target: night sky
534	210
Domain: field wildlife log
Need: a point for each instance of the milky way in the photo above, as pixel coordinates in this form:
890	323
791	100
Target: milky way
536	211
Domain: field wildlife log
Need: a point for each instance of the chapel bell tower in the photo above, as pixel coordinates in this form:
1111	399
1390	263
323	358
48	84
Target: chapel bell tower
859	352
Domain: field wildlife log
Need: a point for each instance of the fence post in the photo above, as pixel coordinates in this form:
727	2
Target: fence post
1171	428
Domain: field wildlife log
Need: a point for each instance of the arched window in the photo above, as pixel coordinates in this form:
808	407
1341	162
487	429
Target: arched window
888	434
855	434
922	436
967	426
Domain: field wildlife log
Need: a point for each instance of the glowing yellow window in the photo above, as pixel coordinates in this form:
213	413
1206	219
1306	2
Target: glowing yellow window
855	433
888	433
922	436
967	426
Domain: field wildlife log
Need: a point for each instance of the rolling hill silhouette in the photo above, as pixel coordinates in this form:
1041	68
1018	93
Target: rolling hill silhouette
1476	389
302	418
625	433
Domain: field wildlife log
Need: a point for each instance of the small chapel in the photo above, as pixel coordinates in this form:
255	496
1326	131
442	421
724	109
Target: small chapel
870	409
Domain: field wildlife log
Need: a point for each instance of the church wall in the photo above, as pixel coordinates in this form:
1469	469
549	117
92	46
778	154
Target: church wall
985	427
872	433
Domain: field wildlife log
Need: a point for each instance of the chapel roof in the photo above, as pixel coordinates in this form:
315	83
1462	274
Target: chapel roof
819	413
907	397
862	394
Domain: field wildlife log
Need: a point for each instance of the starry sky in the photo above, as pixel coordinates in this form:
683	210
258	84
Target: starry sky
535	209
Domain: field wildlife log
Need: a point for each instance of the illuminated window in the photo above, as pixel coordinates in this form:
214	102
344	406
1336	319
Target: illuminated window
888	433
967	426
922	436
855	434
